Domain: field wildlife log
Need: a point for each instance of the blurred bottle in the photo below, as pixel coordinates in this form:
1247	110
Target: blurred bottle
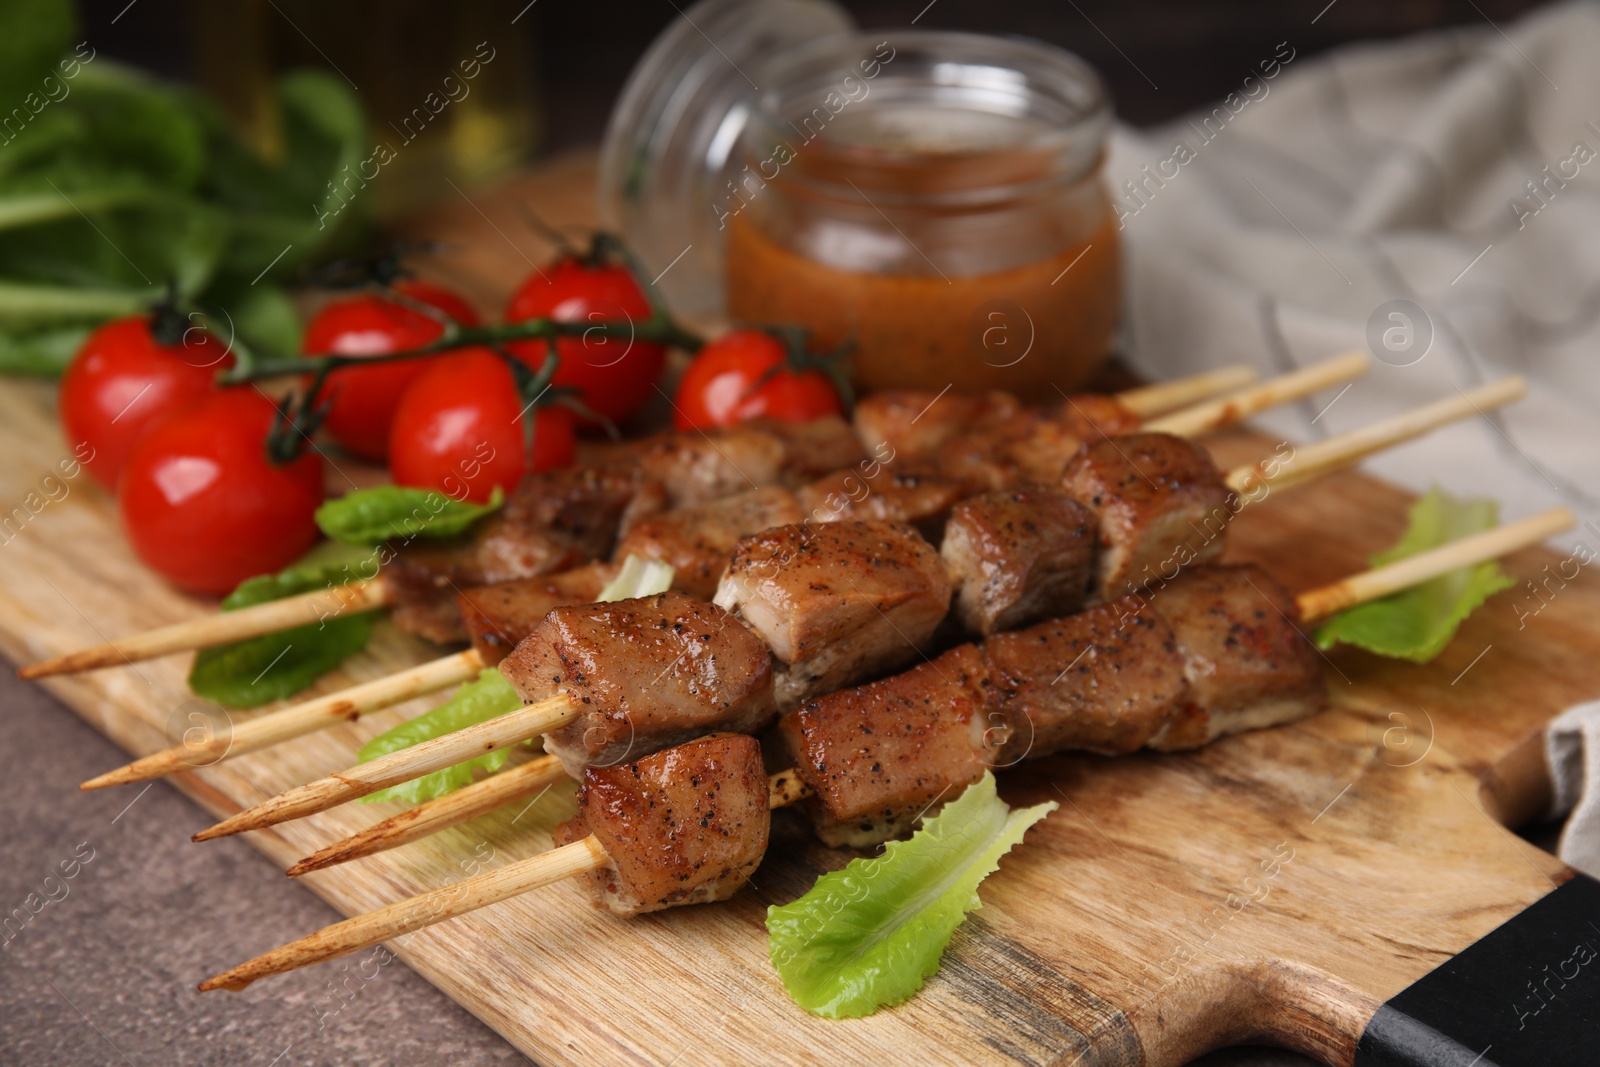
480	124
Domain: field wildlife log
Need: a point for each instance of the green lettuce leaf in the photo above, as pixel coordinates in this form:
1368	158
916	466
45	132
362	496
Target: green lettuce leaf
488	697
866	937
638	577
1417	624
372	516
257	670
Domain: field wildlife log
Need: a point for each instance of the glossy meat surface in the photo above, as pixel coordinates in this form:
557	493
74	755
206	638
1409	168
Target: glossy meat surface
1107	679
880	755
1161	503
496	617
697	467
698	540
643	675
813	448
1018	555
914	424
556	520
1033	445
883	492
836	603
1247	664
687	825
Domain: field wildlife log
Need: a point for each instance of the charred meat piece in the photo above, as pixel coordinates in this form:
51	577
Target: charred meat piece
697	541
879	756
556	520
643	675
1247	663
1107	680
1017	556
883	492
697	467
836	603
1161	503
685	826
814	448
496	617
913	424
1036	444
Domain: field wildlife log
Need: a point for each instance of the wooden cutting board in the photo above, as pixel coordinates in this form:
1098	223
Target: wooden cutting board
1274	887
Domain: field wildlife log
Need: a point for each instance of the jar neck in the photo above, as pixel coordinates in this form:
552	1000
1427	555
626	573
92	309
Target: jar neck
927	119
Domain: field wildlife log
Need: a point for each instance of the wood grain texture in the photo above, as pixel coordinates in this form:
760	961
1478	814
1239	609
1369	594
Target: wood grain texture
1275	887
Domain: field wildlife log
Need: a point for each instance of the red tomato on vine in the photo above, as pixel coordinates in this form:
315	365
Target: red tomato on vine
611	376
205	507
752	374
125	379
362	400
462	428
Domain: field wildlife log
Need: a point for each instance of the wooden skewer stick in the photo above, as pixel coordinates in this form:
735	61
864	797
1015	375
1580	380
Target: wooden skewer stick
1238	406
368	594
306	718
440	813
1328	455
301	719
361	595
1158	398
1425	566
506	730
405	916
468	802
1307	463
1312	461
557	711
425	909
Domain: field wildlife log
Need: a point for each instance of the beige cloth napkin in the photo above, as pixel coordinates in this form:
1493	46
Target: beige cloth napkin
1436	200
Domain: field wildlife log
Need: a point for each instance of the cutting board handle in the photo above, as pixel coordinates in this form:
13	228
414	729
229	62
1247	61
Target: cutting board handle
1257	1001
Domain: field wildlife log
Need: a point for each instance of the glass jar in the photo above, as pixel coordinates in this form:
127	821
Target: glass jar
934	200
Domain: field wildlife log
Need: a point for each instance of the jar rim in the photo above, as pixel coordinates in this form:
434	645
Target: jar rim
1062	99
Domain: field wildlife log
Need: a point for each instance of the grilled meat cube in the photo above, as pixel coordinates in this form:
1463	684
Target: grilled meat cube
883	492
835	603
643	674
879	756
813	448
685	826
697	467
554	521
590	506
496	617
1036	444
1107	679
1161	503
425	577
1018	555
1247	663
698	540
914	424
430	614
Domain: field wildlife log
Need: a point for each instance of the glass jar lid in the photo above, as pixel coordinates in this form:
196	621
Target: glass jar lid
669	149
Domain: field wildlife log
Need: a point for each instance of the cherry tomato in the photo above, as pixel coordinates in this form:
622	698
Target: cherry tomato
123	381
363	399
614	376
724	385
460	429
203	505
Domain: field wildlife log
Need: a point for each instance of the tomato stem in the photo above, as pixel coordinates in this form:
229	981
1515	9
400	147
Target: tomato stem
658	329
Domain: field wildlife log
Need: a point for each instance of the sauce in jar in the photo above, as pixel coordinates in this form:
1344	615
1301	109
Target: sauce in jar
933	199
